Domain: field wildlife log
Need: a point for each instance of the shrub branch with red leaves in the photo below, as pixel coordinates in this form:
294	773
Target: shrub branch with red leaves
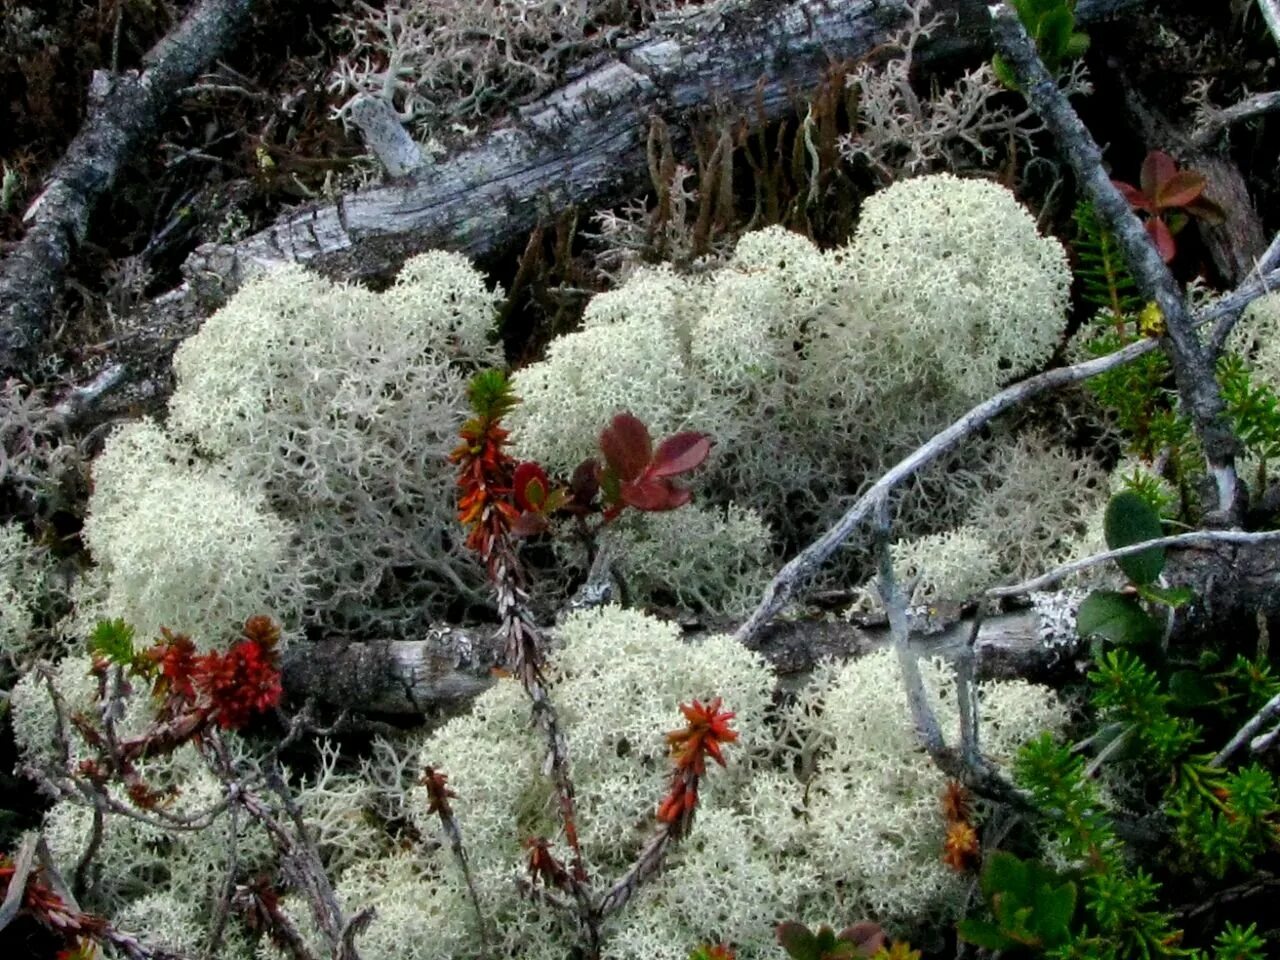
501	501
31	887
197	697
1167	196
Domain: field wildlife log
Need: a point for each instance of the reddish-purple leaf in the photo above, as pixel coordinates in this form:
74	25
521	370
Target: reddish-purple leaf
1180	189
680	454
530	485
653	494
530	525
1158	230
869	937
796	939
1136	198
626	446
585	482
1156	169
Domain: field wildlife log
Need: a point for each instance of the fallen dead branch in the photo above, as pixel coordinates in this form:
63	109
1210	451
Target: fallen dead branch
124	111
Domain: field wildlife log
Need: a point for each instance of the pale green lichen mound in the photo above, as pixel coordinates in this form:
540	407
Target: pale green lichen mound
952	565
1256	337
23	572
446	62
178	545
874	809
955	275
702	558
627	356
308	437
1041	498
812	370
863	837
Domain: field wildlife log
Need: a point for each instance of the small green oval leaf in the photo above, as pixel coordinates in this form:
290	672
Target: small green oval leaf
1116	617
1129	520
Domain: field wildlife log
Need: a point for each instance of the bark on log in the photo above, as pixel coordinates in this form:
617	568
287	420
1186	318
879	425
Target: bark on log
123	112
583	142
439	675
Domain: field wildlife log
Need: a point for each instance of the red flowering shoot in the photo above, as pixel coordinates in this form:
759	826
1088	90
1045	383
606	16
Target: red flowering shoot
486	470
543	865
705	730
223	688
438	792
243	681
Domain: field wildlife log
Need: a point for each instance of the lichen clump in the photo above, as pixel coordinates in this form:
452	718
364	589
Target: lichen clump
860	833
437	61
23	571
303	468
812	369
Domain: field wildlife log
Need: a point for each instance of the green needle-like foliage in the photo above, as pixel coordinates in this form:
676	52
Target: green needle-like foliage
1105	280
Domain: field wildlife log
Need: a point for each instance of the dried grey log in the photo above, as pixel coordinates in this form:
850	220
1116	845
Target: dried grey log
123	112
580	144
440	674
584	141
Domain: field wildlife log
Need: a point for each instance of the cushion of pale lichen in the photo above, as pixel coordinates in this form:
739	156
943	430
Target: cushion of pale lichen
862	837
813	370
304	464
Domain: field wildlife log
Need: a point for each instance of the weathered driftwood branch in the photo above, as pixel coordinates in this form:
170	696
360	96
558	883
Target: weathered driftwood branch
1192	363
800	570
123	111
583	142
1221	118
441	674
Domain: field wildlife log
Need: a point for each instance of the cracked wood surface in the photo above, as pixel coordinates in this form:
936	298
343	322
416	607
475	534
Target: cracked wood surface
584	142
440	674
124	111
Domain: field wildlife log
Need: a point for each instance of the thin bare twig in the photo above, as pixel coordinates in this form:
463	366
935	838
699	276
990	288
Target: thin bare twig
1270	710
646	865
1192	363
1218	120
895	605
802	567
1266	741
223	908
125	114
1196	538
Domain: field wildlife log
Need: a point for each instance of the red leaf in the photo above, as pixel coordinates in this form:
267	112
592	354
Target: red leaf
1137	199
680	454
1158	230
1180	189
796	939
530	485
867	936
1156	169
653	494
530	524
626	446
585	482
